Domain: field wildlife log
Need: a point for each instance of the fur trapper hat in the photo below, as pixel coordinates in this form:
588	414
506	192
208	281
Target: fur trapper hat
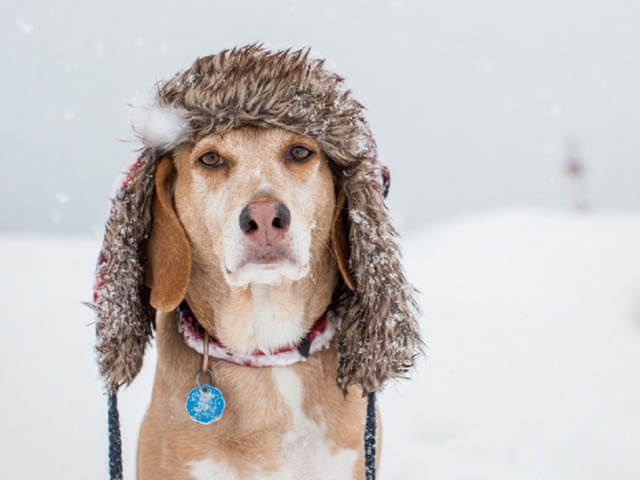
378	337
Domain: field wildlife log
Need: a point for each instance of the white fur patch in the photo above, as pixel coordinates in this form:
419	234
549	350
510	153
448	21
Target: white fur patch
306	454
273	325
156	125
255	274
207	469
306	451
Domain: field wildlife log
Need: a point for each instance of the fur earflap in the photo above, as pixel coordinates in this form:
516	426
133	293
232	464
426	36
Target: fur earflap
120	296
378	337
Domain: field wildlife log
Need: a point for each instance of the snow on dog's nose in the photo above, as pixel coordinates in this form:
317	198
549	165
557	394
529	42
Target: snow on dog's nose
265	222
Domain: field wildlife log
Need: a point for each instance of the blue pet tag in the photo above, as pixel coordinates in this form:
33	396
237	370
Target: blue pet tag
205	402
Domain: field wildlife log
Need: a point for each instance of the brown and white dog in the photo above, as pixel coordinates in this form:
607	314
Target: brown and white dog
254	223
248	217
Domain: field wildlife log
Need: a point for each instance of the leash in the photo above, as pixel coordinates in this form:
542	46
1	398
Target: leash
115	442
370	438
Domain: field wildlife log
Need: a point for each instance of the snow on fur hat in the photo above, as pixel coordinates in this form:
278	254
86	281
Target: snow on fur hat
378	336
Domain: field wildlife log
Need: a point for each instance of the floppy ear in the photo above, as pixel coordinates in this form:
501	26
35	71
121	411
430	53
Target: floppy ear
168	250
339	238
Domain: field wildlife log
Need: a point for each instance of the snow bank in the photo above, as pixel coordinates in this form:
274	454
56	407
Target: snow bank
532	320
53	411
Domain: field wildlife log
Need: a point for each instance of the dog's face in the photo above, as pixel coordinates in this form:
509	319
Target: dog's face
256	204
242	229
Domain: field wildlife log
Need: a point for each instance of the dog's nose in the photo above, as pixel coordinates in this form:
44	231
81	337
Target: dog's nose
265	221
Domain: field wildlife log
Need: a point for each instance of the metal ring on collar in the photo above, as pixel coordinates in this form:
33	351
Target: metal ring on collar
210	372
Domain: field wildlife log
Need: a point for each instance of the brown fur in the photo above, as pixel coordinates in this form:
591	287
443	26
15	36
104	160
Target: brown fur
168	249
339	241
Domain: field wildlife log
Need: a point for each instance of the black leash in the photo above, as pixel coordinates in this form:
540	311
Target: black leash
115	442
370	438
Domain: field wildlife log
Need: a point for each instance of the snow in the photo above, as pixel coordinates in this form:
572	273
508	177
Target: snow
70	113
62	198
532	324
23	25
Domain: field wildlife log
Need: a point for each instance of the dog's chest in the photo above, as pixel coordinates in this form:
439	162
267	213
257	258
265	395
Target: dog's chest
306	449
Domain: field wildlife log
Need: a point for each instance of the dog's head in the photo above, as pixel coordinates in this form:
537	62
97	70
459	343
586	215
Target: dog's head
273	166
252	206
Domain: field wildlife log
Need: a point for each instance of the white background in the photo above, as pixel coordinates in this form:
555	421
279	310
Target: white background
472	102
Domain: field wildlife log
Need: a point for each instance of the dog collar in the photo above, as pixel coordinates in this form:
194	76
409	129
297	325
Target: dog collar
318	338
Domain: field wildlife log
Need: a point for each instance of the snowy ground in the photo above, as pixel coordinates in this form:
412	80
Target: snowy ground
532	320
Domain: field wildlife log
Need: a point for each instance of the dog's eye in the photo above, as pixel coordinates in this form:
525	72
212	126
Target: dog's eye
212	160
299	154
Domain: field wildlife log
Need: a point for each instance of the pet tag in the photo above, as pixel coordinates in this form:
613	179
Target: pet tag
205	402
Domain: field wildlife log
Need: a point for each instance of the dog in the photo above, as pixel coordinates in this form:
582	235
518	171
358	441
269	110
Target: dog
252	232
271	283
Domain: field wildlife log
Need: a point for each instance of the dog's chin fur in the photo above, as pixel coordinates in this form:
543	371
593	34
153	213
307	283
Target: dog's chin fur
265	274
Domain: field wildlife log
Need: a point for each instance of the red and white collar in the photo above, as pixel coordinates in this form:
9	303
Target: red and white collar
318	338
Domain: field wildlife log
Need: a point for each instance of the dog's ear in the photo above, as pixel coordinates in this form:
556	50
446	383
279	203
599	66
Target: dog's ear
168	249
340	239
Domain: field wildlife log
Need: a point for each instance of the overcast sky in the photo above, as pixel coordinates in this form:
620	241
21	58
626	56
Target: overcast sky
472	103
